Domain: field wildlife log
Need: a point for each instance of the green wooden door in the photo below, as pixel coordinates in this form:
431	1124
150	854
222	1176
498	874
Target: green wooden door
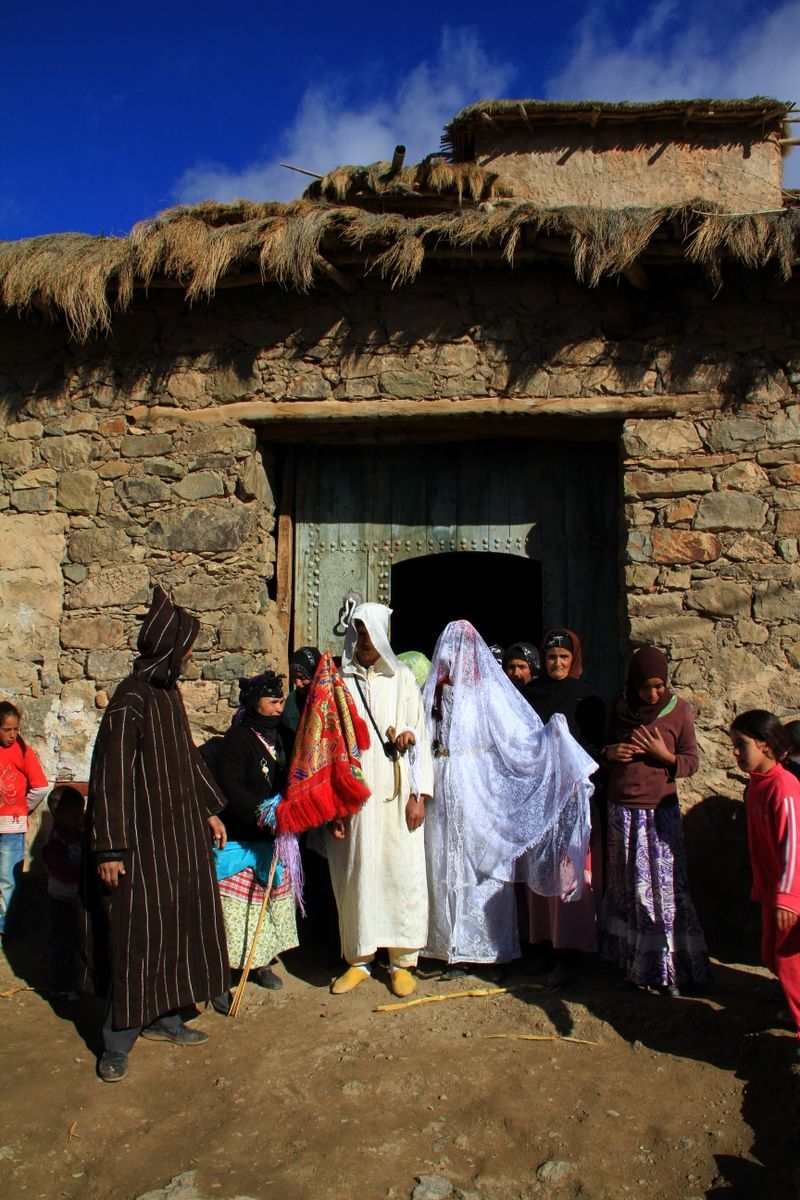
361	509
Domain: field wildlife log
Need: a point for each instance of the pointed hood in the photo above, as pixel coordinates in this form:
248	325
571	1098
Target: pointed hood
167	633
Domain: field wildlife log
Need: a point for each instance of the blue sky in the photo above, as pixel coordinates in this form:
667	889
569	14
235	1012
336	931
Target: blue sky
112	115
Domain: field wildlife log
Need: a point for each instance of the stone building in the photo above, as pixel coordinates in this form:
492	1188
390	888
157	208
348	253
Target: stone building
547	376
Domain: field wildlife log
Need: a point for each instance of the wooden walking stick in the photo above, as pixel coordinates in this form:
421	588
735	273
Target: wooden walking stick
237	995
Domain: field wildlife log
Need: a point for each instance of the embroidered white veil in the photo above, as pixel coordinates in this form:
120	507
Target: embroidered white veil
523	786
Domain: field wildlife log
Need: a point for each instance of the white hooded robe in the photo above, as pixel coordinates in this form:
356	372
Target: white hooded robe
378	870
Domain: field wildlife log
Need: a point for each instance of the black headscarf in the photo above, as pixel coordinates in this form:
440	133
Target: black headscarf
250	692
304	662
576	699
167	634
524	650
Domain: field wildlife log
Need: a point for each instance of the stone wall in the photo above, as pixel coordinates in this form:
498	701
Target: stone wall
713	516
98	505
95	513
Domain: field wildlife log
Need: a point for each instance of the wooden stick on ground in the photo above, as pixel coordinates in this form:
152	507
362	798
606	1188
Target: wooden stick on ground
239	993
496	991
538	1037
12	991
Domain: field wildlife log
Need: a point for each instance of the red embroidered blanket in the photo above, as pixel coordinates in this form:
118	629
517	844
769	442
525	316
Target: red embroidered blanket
325	776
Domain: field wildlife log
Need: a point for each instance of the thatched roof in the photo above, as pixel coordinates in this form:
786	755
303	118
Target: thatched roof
83	279
757	116
434	183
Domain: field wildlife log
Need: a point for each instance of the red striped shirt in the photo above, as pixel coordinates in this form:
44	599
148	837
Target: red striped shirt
773	826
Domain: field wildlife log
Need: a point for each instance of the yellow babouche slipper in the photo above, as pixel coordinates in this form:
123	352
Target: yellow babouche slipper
352	977
403	982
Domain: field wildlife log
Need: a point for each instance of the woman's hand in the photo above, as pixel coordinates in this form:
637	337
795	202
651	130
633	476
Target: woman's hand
415	813
219	832
785	919
337	828
110	872
650	741
620	752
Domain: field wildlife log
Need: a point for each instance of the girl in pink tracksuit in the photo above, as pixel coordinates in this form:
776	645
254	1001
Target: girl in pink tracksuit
772	798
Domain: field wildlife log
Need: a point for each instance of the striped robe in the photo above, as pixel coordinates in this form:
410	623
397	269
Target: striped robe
150	796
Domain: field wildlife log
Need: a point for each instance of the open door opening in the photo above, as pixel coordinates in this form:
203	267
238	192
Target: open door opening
514	536
500	594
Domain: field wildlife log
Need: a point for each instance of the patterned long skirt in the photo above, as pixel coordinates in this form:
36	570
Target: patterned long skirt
241	897
650	926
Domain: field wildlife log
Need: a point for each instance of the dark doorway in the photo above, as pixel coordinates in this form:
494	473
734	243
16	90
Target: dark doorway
500	594
513	535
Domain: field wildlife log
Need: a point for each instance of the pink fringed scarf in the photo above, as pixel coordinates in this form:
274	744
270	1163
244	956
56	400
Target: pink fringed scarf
325	776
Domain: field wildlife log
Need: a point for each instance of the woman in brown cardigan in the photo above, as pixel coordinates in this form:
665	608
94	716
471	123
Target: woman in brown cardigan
650	926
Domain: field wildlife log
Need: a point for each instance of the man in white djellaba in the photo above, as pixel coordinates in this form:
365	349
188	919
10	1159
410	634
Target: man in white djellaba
377	856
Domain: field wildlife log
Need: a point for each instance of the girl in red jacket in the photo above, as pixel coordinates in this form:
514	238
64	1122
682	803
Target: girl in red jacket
772	797
22	787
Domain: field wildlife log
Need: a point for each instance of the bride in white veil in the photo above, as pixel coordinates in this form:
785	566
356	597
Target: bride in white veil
511	801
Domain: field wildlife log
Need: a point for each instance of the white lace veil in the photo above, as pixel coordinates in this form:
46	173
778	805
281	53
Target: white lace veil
376	619
523	786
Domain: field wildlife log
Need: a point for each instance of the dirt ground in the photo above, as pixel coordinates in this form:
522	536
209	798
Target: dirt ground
306	1094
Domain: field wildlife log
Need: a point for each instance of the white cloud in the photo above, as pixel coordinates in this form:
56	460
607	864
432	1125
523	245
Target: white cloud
329	131
683	50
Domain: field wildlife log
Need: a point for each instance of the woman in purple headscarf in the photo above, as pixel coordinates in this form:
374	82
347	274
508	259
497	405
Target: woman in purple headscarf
651	928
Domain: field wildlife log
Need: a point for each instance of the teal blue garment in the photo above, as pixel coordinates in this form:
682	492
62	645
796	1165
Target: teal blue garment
291	712
237	856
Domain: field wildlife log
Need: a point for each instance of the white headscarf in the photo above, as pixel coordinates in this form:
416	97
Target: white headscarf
375	618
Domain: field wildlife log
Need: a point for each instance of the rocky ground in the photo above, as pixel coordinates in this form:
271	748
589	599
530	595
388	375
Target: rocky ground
630	1095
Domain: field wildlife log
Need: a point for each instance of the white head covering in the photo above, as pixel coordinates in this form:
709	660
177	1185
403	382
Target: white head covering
523	787
375	617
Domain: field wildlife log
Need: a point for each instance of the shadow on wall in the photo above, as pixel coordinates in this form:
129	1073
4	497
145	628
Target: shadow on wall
672	338
715	829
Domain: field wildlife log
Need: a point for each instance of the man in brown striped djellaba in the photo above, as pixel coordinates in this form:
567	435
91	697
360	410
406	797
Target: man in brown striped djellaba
150	883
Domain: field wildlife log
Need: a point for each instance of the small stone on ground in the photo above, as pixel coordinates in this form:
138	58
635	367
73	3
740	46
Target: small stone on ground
432	1187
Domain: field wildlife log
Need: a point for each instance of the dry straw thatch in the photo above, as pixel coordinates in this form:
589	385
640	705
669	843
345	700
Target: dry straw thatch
752	240
753	118
83	279
434	176
705	111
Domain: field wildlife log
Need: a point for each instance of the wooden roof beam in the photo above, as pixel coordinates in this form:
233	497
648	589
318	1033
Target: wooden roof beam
337	276
383	408
637	277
